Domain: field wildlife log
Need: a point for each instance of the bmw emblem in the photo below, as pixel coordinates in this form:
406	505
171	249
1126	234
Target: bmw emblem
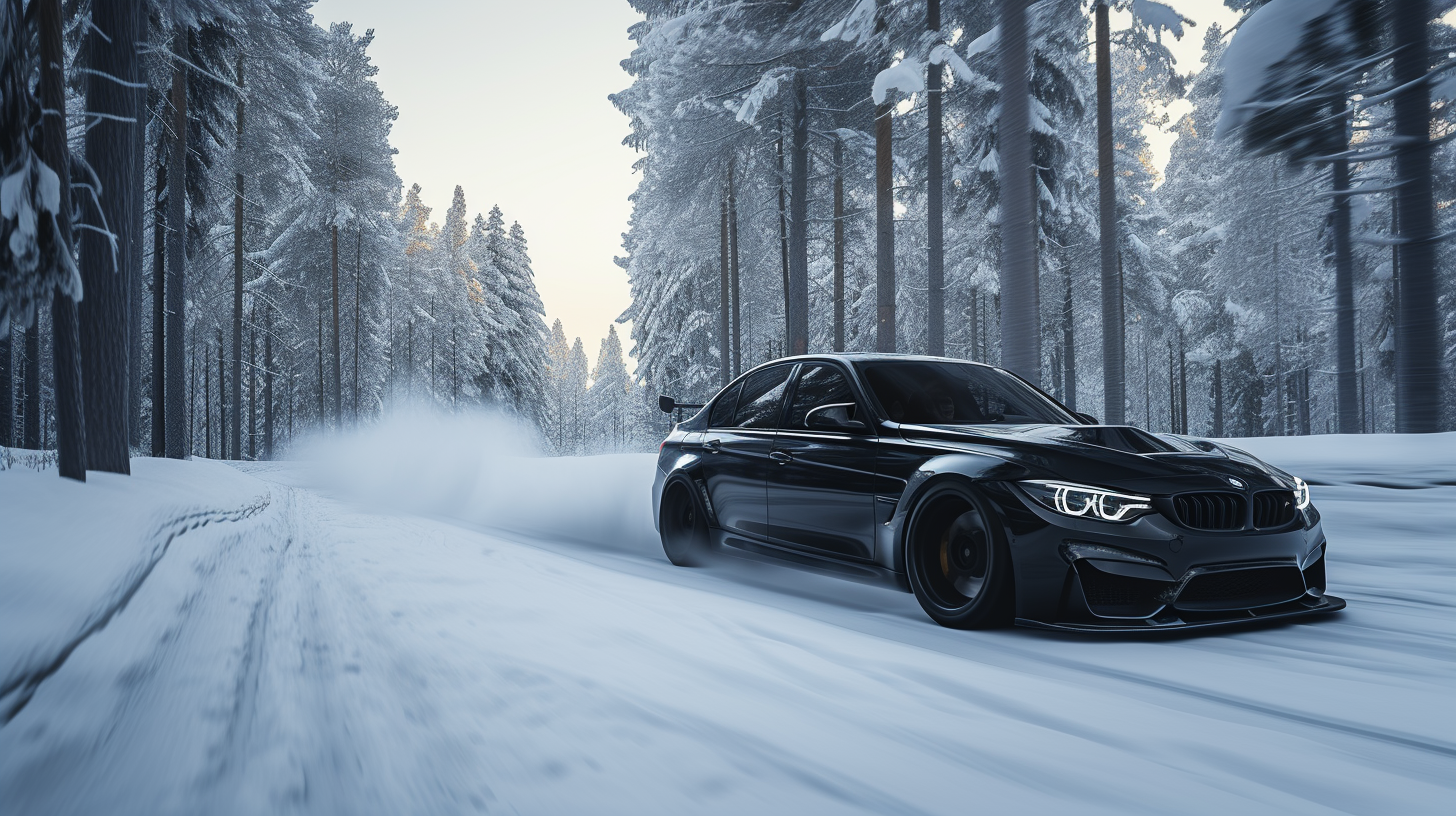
1236	483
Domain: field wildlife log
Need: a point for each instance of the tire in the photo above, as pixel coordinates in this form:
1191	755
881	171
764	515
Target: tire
958	561
684	526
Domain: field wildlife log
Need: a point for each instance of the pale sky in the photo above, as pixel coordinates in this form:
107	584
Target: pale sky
509	100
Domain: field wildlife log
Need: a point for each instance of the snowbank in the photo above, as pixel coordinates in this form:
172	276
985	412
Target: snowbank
1374	460
72	554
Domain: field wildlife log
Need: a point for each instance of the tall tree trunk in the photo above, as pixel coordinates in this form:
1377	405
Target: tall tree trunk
736	294
725	303
358	298
1172	391
838	244
159	306
238	230
106	273
1347	400
177	252
1069	347
973	348
268	384
192	392
1218	398
1418	334
798	292
65	340
1020	313
934	198
32	385
136	286
783	228
884	207
1114	388
207	404
223	402
1182	384
338	360
321	366
7	390
253	386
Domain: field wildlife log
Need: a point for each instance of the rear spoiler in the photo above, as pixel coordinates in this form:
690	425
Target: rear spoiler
668	404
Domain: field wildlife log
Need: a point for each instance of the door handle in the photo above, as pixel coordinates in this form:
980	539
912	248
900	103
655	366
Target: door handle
781	457
713	445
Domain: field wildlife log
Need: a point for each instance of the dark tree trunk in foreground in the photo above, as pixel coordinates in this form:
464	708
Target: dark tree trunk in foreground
237	395
1346	398
7	392
1069	347
736	293
1020	330
884	212
159	311
725	304
65	333
136	286
934	196
32	385
798	293
111	49
783	230
1114	375
176	447
1418	334
838	244
1218	399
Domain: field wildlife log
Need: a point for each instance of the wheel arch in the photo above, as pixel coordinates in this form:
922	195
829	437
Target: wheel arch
968	469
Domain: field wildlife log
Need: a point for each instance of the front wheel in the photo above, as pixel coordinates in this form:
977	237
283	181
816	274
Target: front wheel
958	561
684	527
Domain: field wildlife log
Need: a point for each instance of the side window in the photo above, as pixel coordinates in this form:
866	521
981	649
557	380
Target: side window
722	415
818	385
762	398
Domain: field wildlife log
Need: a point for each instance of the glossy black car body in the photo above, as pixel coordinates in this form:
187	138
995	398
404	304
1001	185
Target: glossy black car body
837	499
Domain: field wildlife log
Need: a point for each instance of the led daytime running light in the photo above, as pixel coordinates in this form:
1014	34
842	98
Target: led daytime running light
1301	493
1079	500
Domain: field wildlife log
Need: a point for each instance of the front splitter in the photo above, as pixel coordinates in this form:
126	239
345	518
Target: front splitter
1296	609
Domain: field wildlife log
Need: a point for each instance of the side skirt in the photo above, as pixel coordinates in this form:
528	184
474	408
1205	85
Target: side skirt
736	546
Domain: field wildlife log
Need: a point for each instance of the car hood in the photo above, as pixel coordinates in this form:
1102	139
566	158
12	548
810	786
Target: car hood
1115	456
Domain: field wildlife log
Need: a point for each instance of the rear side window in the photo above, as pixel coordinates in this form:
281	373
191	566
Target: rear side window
762	399
818	385
722	415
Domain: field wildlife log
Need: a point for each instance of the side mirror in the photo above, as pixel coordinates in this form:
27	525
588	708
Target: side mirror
1089	419
834	417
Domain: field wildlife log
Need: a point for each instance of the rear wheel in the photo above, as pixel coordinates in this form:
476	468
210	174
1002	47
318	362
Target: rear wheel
684	526
959	565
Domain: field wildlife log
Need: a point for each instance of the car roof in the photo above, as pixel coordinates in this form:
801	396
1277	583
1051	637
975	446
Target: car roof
869	357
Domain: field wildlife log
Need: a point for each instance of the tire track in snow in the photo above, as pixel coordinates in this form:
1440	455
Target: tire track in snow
18	692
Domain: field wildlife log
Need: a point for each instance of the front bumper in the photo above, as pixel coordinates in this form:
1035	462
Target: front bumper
1171	622
1154	575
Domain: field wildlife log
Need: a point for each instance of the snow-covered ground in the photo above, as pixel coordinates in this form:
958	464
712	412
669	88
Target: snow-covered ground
428	620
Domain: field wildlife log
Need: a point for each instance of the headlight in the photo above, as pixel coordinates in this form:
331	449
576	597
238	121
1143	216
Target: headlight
1090	502
1301	493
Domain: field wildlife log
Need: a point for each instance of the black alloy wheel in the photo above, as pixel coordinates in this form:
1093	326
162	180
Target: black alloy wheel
959	565
684	526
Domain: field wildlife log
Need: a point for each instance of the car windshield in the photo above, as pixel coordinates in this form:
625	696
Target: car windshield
925	392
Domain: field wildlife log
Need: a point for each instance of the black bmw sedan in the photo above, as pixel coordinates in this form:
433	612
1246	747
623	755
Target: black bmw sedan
986	498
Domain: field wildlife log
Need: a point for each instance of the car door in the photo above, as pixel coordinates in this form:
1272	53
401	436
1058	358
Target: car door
821	493
736	450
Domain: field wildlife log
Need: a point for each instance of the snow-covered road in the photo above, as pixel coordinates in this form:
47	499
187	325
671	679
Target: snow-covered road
336	654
